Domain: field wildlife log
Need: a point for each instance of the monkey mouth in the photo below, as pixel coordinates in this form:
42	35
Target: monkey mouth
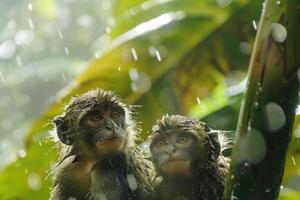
109	138
173	159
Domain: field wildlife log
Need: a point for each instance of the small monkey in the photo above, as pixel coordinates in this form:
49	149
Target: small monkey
99	158
188	160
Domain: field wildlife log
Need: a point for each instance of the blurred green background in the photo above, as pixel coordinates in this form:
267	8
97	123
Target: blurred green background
168	56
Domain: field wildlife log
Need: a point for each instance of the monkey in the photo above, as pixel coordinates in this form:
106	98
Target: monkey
99	158
188	161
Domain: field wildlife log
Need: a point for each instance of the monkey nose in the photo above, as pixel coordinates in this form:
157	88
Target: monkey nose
107	132
170	149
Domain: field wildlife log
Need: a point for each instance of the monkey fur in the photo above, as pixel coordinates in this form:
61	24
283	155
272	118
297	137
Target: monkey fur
99	158
188	160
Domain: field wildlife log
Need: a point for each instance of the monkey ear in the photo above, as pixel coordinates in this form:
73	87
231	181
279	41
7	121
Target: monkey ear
62	130
216	147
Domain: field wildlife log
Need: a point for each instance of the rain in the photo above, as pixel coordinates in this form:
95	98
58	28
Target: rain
229	64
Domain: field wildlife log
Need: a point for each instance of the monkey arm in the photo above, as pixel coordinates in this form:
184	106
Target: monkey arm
73	181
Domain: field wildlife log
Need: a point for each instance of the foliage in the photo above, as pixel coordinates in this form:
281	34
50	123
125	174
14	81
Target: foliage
164	55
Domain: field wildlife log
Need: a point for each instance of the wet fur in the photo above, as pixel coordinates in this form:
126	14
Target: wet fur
129	161
208	180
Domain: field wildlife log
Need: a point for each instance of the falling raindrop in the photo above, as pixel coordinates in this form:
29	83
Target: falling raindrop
279	32
19	60
64	77
2	78
157	55
254	25
134	54
198	100
293	159
274	116
59	33
30	23
67	50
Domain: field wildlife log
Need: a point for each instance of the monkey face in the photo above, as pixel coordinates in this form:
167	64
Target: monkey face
103	128
174	151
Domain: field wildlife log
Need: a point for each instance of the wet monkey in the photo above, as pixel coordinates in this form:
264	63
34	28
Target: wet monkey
188	160
99	158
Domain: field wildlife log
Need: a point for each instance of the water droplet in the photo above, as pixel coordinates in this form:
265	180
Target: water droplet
281	187
22	153
30	7
24	37
107	29
198	100
34	181
245	48
252	147
132	182
11	24
85	20
7	49
134	54
274	116
133	74
111	21
254	25
106	5
279	32
278	3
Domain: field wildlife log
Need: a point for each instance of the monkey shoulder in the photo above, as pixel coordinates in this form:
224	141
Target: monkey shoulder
72	180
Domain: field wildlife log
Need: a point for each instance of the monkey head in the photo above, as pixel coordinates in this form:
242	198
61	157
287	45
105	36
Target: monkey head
96	124
178	144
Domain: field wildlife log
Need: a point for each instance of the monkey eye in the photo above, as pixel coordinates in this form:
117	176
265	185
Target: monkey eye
161	143
182	139
115	114
95	117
